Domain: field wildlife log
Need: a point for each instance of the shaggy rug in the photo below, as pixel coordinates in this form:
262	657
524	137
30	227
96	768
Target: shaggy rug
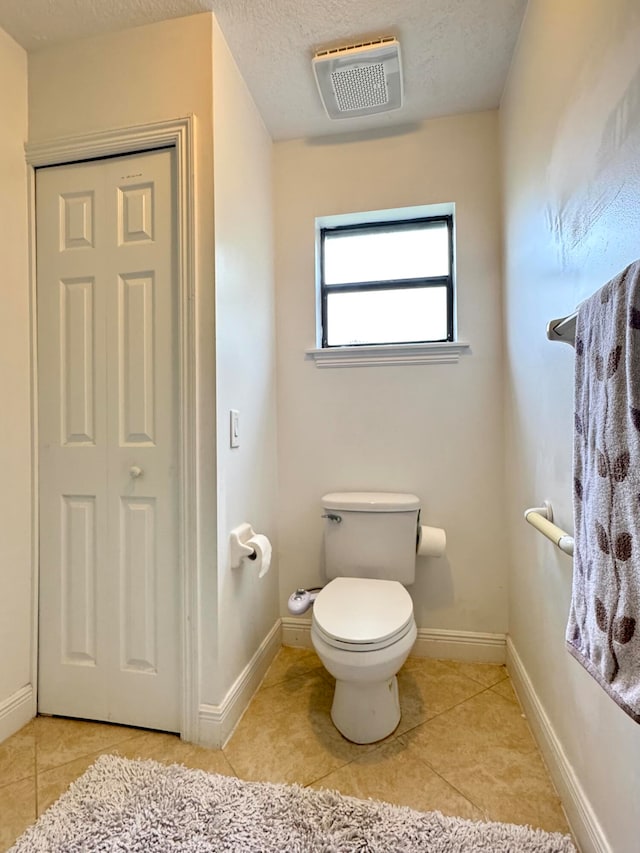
121	806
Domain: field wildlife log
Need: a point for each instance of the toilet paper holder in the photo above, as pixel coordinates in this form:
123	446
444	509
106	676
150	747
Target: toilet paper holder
238	547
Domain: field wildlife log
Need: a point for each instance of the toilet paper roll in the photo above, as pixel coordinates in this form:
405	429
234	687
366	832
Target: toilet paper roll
432	541
262	548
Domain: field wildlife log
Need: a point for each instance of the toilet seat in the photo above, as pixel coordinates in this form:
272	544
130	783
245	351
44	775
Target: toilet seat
362	614
362	647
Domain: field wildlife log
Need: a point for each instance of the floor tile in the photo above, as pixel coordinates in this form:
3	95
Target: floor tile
286	734
393	774
18	756
472	729
486	674
428	687
485	750
291	663
515	788
17	810
60	741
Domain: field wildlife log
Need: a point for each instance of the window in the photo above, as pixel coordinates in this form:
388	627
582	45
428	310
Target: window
388	282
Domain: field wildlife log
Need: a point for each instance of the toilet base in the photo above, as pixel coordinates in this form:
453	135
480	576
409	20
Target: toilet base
365	711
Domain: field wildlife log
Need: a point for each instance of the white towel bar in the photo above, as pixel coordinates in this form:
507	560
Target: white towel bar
541	517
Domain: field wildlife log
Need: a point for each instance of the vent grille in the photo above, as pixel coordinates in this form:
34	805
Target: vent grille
360	87
361	79
349	48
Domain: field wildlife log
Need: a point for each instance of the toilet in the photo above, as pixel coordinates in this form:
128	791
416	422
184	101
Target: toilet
363	626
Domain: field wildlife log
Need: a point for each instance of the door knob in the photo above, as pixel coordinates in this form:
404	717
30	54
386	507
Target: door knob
135	472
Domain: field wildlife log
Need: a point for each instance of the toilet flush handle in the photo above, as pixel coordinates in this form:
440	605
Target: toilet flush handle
332	517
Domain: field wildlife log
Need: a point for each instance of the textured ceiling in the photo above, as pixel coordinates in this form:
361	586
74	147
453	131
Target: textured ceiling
455	53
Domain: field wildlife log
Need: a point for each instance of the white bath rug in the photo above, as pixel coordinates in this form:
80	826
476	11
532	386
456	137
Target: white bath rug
123	806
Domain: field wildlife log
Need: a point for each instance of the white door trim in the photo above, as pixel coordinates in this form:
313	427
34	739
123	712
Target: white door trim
179	134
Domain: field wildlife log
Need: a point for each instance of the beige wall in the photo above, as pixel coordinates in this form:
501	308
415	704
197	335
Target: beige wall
571	146
15	462
164	71
147	74
245	359
159	72
435	430
139	75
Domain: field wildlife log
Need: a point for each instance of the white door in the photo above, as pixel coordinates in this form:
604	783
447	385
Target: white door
109	591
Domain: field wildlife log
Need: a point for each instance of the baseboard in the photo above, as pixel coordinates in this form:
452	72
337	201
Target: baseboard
296	632
580	814
470	646
217	722
16	711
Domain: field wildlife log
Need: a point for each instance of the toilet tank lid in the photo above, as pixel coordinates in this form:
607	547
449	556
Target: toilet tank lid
371	501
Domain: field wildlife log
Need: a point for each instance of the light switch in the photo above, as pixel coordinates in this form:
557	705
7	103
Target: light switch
234	427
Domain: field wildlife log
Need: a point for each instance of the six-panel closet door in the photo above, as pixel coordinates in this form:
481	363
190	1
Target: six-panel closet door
107	427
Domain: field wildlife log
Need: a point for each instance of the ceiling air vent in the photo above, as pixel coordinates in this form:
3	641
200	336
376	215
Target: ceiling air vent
360	79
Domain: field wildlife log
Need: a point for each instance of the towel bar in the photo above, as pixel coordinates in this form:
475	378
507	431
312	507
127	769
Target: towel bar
563	329
541	517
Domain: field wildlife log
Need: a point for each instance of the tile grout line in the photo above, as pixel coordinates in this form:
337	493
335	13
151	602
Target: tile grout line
235	772
20	777
468	699
444	711
388	740
431	767
264	689
451	785
262	686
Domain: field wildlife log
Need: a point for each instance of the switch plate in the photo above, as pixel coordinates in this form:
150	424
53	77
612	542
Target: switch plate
234	427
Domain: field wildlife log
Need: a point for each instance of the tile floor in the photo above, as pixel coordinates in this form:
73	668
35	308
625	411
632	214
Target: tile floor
462	747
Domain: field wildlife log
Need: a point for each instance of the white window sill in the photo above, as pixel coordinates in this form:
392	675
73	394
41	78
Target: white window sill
442	352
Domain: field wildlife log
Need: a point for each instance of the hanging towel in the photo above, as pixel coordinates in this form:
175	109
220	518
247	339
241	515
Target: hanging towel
604	631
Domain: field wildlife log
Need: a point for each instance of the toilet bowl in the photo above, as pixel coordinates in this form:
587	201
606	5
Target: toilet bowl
363	630
363	627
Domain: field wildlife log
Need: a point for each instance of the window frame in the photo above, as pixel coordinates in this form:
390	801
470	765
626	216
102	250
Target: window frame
389	284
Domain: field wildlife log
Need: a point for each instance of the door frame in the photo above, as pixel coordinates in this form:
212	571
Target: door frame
178	134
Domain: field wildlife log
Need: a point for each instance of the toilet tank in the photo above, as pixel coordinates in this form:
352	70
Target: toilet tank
375	536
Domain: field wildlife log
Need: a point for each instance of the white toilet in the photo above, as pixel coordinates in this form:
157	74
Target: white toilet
363	626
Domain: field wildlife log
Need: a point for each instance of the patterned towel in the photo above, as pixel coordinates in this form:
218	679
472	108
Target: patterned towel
603	633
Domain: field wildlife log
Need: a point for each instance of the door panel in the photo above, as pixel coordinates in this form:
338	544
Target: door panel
135	345
109	591
77	369
78	580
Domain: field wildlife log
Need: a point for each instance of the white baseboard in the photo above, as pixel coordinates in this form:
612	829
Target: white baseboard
580	814
217	722
296	632
16	711
470	646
